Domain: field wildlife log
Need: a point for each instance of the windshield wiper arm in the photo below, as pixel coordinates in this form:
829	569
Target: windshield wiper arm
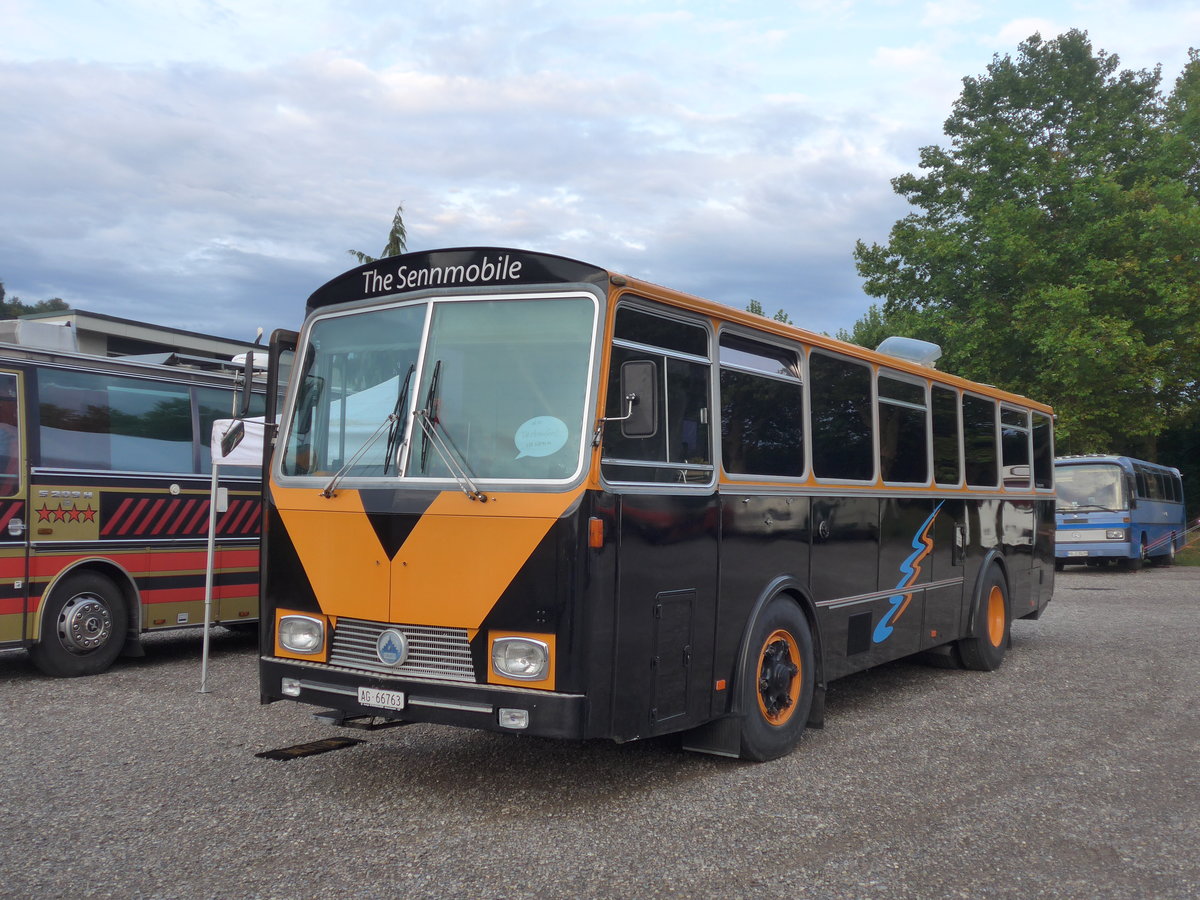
428	419
396	433
430	411
449	456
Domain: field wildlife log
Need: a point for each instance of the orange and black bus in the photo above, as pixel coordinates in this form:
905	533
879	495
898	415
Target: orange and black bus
518	492
105	477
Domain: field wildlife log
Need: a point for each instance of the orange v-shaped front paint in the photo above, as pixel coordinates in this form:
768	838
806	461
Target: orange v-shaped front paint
450	571
341	554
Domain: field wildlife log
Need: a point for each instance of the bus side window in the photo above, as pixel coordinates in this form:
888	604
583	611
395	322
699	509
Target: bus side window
1043	452
10	437
947	462
979	441
679	449
92	420
1014	447
842	418
903	442
762	409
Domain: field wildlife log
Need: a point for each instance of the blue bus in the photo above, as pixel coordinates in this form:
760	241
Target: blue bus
1117	508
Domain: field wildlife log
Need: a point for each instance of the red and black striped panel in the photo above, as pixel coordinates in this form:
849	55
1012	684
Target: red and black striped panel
140	516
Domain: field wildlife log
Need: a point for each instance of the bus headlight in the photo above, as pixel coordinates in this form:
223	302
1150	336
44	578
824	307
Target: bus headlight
301	634
1116	534
523	659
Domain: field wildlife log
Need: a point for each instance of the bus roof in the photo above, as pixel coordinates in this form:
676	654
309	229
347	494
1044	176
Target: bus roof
483	267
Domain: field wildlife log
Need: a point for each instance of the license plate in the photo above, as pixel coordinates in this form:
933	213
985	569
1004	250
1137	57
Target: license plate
1077	553
380	699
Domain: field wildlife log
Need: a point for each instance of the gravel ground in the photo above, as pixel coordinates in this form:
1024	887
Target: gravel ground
1070	772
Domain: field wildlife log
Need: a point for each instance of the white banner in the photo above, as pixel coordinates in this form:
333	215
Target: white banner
237	442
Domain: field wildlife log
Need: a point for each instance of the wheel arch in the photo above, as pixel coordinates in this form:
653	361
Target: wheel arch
795	592
120	578
993	557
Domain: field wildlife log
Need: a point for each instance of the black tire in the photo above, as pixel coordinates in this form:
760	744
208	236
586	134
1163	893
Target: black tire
984	650
84	624
1133	564
1168	558
777	682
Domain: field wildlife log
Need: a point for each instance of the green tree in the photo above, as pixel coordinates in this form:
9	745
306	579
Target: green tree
757	308
397	241
14	308
877	324
1054	247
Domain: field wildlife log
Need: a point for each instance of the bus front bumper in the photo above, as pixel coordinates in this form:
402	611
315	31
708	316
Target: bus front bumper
1081	552
489	707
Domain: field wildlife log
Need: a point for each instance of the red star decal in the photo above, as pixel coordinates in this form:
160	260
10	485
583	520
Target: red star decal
43	514
59	514
89	514
75	513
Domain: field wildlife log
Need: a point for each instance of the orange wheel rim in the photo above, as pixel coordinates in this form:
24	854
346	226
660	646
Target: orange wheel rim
995	616
779	677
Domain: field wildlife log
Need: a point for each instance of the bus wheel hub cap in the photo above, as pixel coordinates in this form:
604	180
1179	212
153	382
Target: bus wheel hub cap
85	624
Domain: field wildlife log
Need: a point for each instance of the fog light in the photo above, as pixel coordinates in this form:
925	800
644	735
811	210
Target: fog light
514	718
290	687
521	658
301	634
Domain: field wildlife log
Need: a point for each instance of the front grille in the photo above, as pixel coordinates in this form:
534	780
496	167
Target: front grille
441	653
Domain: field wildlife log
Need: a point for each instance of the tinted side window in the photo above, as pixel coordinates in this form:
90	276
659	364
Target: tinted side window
91	420
680	448
1014	447
762	409
947	467
842	414
979	440
903	441
1043	451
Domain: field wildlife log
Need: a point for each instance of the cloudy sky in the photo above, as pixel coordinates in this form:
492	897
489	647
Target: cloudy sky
205	164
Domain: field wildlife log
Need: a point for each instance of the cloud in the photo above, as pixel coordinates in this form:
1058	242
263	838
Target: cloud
207	164
946	13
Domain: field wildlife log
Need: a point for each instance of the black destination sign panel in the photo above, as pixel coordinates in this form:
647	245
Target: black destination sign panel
472	267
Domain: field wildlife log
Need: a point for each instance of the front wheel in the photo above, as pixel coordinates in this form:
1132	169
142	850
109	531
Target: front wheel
984	649
777	684
83	627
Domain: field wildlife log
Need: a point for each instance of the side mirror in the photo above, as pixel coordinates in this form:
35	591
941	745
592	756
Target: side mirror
243	406
639	390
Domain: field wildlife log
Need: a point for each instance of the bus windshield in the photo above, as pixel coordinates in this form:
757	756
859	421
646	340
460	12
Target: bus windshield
1090	487
495	388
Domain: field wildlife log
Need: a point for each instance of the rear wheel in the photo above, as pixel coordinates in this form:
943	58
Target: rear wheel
83	627
1168	558
777	685
984	649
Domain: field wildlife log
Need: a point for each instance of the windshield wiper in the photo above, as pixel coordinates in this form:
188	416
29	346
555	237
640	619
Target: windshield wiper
396	433
453	460
448	456
392	423
349	464
430	412
1082	506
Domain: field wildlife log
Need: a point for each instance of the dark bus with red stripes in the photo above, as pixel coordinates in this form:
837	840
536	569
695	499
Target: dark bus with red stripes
105	480
518	492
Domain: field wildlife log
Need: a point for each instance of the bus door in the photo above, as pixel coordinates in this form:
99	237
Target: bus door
14	517
665	611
